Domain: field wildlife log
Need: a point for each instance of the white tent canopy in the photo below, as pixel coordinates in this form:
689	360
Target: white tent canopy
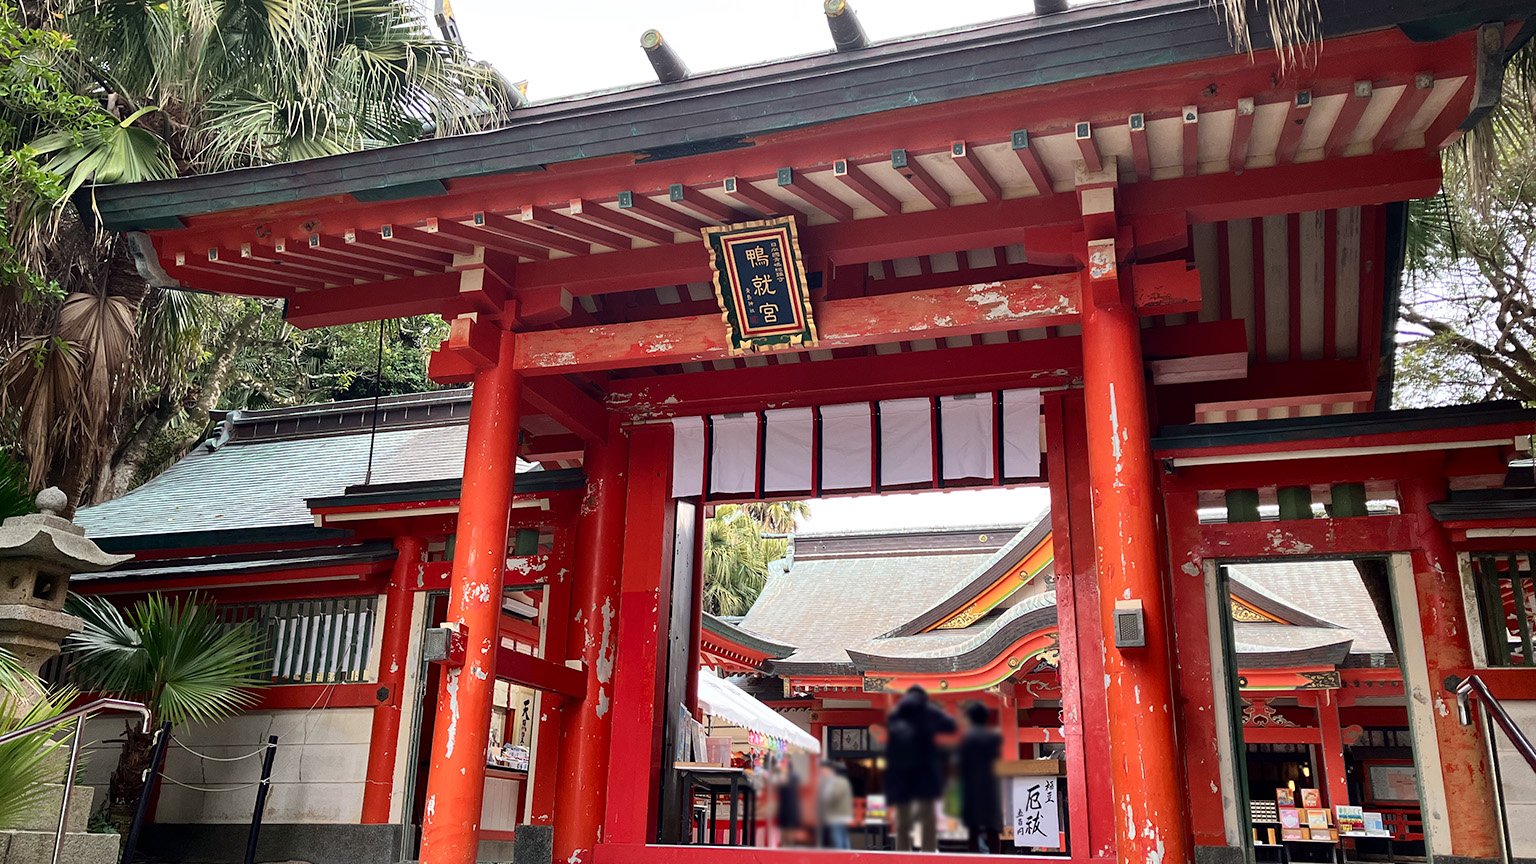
725	700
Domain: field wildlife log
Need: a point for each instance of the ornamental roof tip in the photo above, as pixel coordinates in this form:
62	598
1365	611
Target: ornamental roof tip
52	540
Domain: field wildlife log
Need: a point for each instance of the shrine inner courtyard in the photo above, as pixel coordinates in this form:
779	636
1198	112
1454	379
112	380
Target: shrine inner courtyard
1094	251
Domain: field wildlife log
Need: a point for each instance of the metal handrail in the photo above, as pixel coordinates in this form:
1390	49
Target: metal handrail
1494	716
78	713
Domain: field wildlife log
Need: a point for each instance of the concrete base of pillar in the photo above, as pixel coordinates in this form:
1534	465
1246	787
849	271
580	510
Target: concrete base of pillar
312	844
1218	855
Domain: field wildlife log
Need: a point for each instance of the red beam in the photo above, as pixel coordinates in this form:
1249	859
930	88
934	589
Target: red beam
1355	102
1359	535
701	204
557	221
540	674
1191	140
322	271
494	241
310	696
342	270
226	261
1242	133
1403	111
865	186
957	311
1083	133
1141	156
638	204
337	249
1035	363
1031	162
755	198
529	232
1295	123
568	405
209	279
975	172
396	298
415	238
369	242
814	195
614	220
906	165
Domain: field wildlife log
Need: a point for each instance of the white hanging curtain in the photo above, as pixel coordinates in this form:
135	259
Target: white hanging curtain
859	446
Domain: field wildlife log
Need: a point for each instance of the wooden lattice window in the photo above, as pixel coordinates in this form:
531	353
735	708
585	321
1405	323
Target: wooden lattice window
321	641
1506	598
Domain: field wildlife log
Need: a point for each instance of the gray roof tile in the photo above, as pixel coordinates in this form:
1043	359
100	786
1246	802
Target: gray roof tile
263	483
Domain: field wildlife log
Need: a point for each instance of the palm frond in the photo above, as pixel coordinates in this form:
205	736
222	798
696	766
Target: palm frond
1294	26
25	764
173	654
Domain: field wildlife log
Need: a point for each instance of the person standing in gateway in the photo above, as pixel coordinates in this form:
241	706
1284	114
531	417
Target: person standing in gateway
914	766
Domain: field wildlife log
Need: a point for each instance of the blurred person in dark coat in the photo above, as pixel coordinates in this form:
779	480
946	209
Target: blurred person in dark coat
981	805
914	766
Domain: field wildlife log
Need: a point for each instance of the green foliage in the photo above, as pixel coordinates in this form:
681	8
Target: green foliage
24	763
1468	312
737	554
174	655
15	496
335	363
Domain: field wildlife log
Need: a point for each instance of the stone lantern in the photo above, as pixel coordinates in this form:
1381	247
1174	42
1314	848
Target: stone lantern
38	553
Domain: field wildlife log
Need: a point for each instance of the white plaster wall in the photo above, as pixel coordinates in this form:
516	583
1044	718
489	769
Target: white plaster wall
317	776
1519	783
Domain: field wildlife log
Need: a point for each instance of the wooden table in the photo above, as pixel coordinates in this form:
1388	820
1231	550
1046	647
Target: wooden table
715	780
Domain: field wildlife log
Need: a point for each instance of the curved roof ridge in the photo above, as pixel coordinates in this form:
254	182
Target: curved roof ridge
1028	616
985	574
1271	603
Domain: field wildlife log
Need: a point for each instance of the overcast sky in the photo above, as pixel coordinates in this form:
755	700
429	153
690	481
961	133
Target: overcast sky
570	46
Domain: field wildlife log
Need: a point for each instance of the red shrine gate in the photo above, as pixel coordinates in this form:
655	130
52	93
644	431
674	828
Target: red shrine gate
1194	253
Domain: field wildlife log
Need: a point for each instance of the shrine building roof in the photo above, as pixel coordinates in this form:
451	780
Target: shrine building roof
252	480
725	110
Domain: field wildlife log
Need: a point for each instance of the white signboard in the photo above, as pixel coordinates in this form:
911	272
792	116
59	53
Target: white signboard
1036	812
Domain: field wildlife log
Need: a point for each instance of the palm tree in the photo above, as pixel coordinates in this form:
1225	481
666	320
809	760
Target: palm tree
89	352
738	547
173	655
25	766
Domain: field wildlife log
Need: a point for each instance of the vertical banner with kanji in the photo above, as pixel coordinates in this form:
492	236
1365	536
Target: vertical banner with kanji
1036	813
760	284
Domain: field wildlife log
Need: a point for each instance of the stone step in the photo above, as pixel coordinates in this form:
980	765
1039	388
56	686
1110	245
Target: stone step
45	815
36	847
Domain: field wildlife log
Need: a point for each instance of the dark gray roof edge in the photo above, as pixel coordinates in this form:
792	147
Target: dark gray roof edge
260	536
1273	604
363	406
732	106
987	575
1481	507
304	558
792	667
1201	435
1332	654
727	630
1003	634
524	482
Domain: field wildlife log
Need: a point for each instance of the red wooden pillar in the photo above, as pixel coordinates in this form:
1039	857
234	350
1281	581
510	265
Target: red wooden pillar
1085	713
456	784
1331	743
1196	693
1447	652
582	792
394	646
1008	725
546	778
1151	821
635	760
